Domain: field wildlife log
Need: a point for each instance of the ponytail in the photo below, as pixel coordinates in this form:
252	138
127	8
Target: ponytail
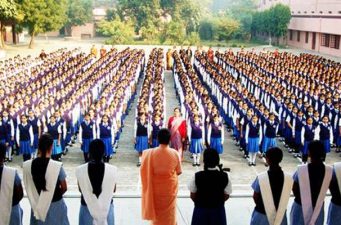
45	144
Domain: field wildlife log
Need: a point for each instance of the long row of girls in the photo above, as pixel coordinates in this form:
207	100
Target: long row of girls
65	94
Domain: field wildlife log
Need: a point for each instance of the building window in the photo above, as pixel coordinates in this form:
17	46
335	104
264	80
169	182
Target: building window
325	40
298	36
307	37
335	41
290	35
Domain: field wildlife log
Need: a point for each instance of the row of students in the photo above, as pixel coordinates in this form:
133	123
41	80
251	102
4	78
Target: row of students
151	105
242	113
203	119
106	116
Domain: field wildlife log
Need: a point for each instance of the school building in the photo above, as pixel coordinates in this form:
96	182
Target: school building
315	24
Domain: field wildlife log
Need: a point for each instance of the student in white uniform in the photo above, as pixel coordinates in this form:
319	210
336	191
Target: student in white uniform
97	183
271	192
11	193
311	183
45	185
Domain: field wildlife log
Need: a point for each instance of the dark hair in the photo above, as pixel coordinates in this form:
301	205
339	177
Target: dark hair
96	150
164	136
2	151
211	159
274	155
176	108
45	143
316	150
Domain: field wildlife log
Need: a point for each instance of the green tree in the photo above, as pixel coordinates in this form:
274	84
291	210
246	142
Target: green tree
43	16
206	30
141	12
8	10
242	11
280	18
274	21
79	12
225	28
173	33
120	32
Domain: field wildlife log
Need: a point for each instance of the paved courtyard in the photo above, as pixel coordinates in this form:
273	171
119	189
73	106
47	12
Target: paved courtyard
127	202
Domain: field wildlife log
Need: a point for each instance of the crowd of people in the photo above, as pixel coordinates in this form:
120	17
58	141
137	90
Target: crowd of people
60	97
66	93
261	100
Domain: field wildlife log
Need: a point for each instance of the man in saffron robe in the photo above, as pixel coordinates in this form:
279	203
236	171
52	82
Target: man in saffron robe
178	128
210	54
169	59
159	175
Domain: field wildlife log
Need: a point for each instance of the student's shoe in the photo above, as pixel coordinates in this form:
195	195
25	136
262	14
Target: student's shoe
266	165
253	164
240	149
194	165
250	164
246	156
138	164
198	164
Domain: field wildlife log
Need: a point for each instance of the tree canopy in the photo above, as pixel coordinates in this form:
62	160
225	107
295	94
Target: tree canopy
44	16
273	21
79	12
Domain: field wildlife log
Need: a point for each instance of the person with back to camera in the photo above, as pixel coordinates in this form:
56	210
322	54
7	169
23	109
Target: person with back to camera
210	189
97	183
271	192
311	183
11	193
45	185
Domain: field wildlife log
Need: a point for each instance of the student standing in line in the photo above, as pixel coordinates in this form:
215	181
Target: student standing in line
37	128
210	189
216	135
45	185
25	138
271	192
11	192
253	138
105	132
270	133
55	130
97	183
334	212
311	183
307	136
87	132
324	133
141	136
196	133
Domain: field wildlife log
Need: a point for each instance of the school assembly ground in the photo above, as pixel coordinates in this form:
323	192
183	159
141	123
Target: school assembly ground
127	201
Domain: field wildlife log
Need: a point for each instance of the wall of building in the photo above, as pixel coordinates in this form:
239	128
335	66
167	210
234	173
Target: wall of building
322	17
85	31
